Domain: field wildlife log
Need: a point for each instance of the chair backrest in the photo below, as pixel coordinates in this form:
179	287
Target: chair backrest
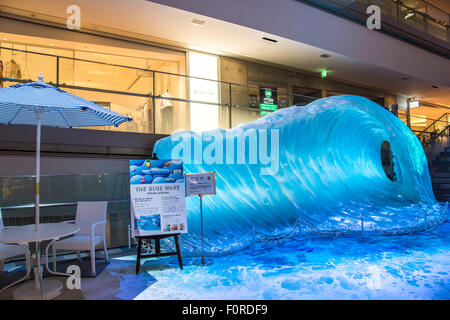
89	212
1	219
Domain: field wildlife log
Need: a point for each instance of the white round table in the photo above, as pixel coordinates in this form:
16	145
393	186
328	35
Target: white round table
23	235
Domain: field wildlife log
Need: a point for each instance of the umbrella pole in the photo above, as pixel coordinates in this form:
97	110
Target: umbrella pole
38	168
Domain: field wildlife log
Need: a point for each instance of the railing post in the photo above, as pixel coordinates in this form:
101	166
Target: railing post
448	30
57	71
154	104
398	11
230	107
408	115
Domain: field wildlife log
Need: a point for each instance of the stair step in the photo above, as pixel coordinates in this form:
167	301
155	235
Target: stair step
445	186
442	174
441	163
442	197
441	191
437	169
438	180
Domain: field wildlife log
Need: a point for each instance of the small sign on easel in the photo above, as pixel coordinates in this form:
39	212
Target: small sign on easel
200	184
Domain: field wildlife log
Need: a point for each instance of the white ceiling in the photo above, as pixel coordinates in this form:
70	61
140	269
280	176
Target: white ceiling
173	26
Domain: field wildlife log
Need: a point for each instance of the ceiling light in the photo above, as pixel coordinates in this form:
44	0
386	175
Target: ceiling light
409	15
197	22
325	56
270	40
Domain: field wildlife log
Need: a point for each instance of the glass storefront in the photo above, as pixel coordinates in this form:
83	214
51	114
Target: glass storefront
423	117
116	78
153	86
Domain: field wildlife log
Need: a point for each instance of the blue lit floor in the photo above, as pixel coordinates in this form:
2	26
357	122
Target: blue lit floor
386	267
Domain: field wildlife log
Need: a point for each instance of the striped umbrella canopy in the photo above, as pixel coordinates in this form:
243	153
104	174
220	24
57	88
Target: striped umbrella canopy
41	104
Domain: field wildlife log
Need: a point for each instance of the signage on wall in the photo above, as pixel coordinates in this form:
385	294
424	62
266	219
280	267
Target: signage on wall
414	104
158	203
268	101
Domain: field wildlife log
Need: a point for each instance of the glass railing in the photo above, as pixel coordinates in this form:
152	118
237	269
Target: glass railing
425	128
145	94
59	196
418	14
434	129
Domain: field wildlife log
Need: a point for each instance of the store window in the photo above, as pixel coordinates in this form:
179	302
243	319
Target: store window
118	78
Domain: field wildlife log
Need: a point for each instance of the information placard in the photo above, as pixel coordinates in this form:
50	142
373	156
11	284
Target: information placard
200	183
157	192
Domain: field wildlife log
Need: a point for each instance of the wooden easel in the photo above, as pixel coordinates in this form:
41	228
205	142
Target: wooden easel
158	253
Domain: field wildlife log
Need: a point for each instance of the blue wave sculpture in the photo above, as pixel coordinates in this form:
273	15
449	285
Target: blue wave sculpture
329	177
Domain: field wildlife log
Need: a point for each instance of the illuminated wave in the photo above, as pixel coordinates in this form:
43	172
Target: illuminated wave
330	178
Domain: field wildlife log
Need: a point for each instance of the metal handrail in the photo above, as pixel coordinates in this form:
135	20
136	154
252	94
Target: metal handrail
141	69
432	124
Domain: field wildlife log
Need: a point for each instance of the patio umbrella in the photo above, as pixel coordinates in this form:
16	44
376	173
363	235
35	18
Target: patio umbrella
41	104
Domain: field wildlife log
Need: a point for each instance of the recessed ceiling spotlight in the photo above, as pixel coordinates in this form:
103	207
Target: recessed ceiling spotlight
197	22
403	78
409	15
269	39
5	38
325	56
51	44
435	87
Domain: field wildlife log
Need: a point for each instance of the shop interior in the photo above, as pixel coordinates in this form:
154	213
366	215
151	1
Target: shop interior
115	77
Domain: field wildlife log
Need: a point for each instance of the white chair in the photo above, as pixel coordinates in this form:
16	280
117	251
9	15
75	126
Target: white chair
8	251
91	217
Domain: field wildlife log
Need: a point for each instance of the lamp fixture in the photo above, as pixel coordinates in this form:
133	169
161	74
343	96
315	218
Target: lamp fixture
270	40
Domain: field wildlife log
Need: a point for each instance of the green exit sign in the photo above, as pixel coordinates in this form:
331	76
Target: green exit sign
323	73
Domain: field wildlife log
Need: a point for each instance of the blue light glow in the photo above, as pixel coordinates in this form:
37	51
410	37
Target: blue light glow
330	179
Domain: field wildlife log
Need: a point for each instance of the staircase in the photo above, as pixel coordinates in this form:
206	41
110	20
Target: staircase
435	140
440	176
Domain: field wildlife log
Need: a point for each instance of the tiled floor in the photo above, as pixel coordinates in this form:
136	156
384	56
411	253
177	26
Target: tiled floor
117	281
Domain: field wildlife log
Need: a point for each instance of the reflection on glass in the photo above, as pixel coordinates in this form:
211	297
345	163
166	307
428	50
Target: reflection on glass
111	187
